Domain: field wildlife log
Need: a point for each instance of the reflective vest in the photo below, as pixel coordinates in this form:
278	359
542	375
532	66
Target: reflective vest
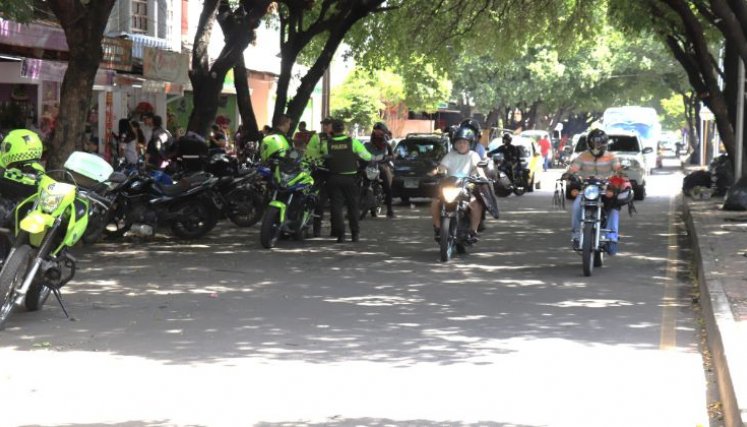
342	159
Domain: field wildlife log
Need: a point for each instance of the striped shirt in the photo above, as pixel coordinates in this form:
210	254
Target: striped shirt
586	165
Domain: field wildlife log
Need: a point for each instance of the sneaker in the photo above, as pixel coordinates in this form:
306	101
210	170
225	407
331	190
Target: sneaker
575	240
473	237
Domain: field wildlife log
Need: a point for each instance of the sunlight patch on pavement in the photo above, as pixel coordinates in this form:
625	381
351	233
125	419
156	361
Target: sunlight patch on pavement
643	387
376	300
590	303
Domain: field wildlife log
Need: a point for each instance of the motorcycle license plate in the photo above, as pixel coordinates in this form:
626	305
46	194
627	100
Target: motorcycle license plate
412	183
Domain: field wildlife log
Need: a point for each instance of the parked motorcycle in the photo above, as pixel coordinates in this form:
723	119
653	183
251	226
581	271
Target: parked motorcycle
291	207
141	205
55	218
454	195
511	176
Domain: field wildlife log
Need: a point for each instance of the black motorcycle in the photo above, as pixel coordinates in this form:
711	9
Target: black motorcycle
454	195
593	239
369	181
512	176
141	205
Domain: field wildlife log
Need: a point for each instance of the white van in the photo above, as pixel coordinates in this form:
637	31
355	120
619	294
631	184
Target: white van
643	121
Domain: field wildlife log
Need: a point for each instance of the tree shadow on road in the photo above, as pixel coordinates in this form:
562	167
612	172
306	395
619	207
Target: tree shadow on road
385	299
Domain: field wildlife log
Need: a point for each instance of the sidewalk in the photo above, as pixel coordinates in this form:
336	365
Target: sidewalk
719	241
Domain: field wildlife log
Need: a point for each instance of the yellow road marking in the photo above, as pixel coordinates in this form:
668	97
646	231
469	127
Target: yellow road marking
669	303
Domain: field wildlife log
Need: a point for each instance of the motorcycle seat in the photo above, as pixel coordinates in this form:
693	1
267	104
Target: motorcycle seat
182	186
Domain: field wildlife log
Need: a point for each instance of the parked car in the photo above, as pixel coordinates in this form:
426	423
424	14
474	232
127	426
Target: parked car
415	159
666	149
628	149
530	157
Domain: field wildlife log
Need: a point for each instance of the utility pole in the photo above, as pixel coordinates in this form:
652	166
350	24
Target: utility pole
740	124
325	93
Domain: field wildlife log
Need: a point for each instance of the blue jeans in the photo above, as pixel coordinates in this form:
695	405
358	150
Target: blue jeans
613	224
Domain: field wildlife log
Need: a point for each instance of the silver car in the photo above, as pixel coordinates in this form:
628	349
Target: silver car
628	148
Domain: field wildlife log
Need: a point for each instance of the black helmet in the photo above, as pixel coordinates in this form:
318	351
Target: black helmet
597	141
507	138
472	124
380	126
465	133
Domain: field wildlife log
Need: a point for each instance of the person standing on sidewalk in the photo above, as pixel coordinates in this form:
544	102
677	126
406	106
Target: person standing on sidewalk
342	161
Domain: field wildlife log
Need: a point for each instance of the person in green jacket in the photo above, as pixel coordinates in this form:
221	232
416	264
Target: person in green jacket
342	162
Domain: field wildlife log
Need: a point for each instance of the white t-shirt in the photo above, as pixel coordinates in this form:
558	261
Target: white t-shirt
130	151
461	165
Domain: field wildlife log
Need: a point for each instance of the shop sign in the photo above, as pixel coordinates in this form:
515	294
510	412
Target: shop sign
166	66
39	69
117	54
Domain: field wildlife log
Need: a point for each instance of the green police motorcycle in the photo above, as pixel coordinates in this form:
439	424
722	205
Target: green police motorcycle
47	225
294	197
20	169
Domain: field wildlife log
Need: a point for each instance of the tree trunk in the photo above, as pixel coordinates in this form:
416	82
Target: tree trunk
84	29
243	98
239	29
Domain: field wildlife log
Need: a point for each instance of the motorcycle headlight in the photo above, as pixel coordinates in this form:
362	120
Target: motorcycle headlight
372	173
50	201
450	193
591	192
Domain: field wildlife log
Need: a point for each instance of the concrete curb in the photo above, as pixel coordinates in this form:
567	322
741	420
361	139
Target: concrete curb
724	342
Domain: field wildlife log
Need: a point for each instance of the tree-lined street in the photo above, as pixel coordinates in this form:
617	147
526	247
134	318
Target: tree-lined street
221	332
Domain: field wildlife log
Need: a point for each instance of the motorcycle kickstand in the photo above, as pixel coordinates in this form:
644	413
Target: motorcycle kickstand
58	295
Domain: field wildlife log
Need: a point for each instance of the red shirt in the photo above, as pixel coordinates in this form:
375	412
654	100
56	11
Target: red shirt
545	147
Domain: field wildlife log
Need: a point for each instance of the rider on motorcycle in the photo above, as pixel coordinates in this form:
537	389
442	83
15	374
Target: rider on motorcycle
511	154
379	145
600	163
461	162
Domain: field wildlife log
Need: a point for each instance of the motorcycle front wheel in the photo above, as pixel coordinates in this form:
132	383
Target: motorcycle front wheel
11	277
587	252
448	238
270	231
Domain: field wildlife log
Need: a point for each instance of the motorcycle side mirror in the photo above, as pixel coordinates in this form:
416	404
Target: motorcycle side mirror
648	150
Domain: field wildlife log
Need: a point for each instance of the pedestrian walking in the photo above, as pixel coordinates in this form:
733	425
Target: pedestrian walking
342	161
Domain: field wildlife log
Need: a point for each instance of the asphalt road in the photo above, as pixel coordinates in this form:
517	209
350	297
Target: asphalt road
223	333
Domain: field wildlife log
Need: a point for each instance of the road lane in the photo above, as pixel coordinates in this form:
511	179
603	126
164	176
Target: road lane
221	332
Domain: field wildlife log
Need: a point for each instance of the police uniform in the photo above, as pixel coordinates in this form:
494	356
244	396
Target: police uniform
342	161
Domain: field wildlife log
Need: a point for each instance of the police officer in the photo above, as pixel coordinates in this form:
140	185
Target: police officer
277	135
316	149
342	160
